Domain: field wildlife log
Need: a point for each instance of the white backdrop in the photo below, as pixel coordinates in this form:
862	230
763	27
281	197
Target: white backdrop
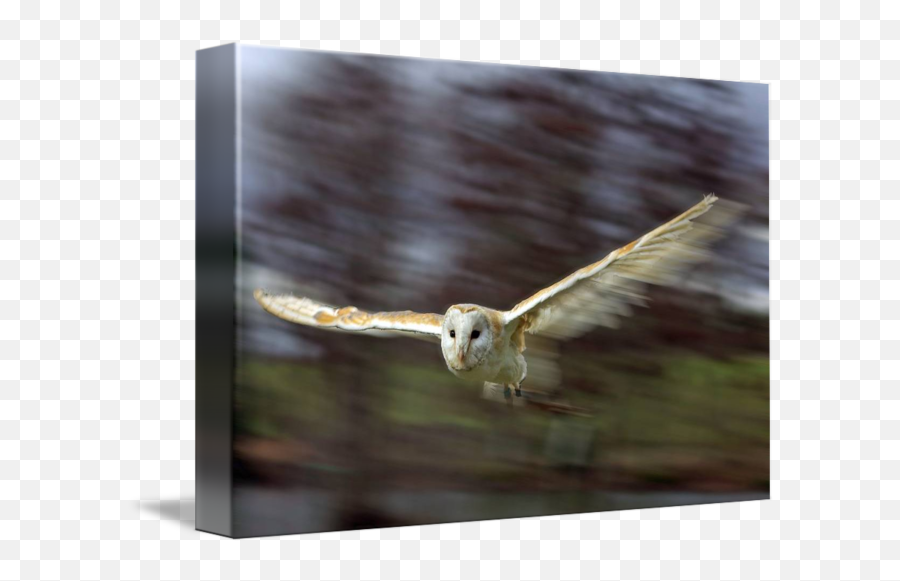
97	289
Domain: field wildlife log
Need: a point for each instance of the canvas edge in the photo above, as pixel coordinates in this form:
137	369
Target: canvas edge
216	194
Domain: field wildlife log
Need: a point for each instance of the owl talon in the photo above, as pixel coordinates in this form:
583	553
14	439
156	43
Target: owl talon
518	392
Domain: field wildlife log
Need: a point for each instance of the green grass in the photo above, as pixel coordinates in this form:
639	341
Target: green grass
662	416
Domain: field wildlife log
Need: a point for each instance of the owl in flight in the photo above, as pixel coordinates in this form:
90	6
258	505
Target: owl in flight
486	345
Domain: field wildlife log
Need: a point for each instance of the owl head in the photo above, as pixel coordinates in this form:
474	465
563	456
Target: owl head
466	337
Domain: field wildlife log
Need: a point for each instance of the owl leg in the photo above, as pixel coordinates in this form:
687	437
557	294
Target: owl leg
522	378
506	391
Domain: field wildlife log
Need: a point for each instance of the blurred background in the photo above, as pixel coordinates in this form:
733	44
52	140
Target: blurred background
394	184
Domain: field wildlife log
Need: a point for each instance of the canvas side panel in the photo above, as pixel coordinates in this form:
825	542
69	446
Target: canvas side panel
216	143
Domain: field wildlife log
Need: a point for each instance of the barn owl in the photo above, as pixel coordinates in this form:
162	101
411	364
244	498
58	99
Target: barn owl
487	345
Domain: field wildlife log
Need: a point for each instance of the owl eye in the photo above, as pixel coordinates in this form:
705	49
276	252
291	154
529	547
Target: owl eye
453	333
475	333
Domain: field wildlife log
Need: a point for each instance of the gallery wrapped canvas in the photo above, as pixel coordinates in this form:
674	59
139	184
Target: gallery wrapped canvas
434	291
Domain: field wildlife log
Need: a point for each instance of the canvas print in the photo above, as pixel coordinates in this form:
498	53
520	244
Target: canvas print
443	291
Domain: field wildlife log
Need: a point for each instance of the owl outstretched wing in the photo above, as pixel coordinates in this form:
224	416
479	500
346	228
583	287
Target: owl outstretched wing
309	312
600	293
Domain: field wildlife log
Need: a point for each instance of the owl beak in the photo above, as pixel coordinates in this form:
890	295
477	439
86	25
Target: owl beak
461	354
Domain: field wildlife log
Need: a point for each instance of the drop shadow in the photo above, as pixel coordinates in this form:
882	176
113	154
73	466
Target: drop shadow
180	510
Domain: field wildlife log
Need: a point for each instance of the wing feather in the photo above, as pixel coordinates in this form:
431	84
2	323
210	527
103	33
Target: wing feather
602	292
306	311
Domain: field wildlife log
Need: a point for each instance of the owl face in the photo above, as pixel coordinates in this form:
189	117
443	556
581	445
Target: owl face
466	337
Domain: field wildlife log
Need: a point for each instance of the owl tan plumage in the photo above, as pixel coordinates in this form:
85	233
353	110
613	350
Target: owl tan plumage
487	345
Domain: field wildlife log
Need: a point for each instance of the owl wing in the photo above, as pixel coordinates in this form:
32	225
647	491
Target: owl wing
309	312
600	293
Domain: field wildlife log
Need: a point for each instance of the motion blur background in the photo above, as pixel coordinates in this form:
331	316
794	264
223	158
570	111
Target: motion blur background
392	184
